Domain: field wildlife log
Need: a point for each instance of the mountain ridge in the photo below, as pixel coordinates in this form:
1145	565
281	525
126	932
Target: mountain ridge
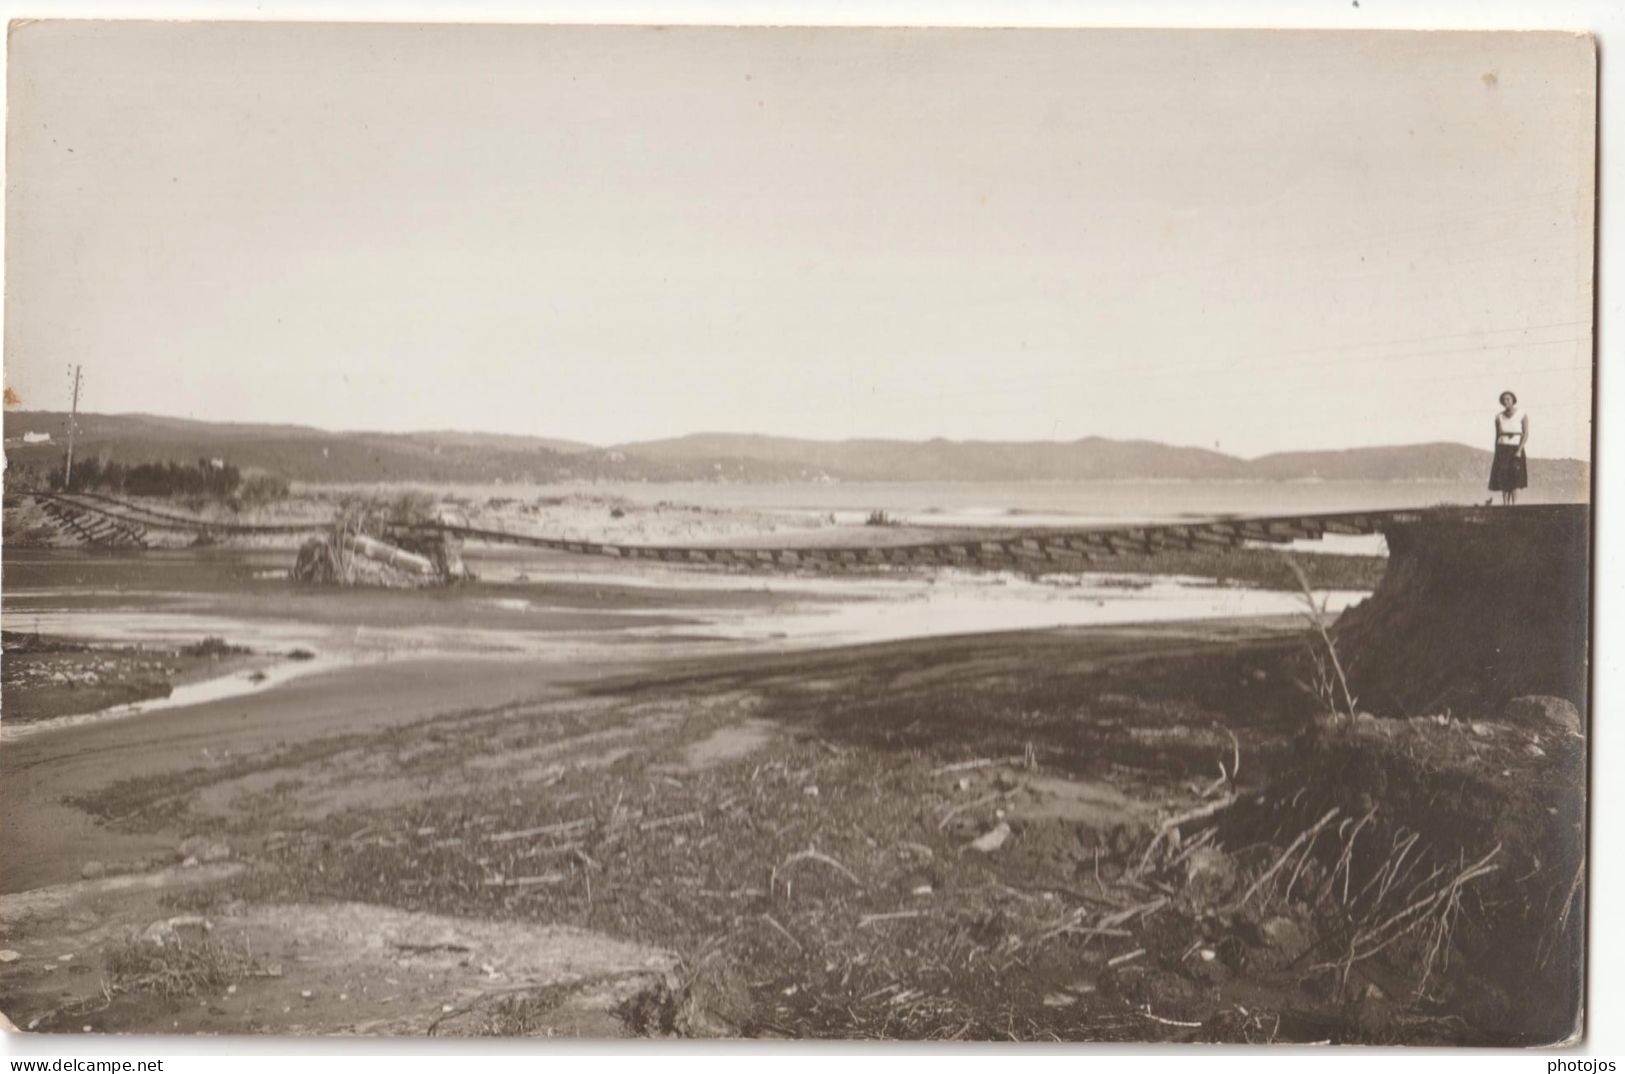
306	453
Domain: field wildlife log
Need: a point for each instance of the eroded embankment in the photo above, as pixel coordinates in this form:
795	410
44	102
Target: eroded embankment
1436	850
1472	611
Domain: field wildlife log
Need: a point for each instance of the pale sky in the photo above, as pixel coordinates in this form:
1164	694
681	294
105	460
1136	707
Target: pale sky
1252	240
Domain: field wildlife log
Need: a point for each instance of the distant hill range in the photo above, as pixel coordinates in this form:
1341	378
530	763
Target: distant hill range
301	453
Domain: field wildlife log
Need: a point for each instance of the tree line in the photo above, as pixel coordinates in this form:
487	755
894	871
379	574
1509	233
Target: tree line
206	479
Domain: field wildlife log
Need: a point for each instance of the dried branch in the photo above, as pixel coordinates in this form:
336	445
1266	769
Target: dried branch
1315	613
812	854
1302	838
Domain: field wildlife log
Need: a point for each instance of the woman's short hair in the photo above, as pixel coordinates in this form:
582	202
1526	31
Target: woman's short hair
1503	395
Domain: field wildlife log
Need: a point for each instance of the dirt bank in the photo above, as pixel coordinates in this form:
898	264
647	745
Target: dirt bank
1474	611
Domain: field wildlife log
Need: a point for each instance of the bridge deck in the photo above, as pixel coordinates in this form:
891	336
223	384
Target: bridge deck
99	519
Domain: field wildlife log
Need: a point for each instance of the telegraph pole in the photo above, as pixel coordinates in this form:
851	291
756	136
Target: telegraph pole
73	427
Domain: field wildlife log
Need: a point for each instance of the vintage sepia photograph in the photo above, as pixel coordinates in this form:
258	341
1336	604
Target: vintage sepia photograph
797	533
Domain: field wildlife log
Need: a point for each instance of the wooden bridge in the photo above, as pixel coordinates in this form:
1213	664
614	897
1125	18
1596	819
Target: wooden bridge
96	520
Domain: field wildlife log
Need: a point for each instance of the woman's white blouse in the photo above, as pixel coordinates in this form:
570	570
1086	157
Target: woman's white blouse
1510	429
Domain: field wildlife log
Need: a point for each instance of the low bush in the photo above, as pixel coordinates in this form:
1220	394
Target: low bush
176	969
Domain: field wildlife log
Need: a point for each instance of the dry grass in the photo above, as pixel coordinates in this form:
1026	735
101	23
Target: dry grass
1328	665
1428	855
1409	894
178	968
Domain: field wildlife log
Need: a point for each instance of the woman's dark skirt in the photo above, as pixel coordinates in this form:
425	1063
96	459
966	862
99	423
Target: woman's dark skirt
1510	470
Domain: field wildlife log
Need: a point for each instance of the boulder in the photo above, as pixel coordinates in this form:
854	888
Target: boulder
1285	936
1543	712
1372	1012
1210	875
183	928
993	839
192	846
715	1003
1206	966
92	869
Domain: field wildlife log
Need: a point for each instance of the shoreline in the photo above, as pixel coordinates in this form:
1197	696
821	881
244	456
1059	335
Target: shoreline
42	771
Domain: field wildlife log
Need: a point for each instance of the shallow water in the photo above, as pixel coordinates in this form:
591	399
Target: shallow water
218	688
539	619
974	603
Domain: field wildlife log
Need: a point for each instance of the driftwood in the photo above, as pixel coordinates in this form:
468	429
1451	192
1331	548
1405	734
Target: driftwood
546	829
680	818
980	762
961	807
811	854
769	918
1207	809
1303	837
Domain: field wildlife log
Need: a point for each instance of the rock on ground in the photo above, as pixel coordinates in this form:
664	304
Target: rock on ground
1285	936
993	839
188	928
1210	875
1544	712
716	1003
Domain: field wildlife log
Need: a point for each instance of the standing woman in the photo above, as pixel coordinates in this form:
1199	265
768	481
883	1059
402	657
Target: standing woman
1510	471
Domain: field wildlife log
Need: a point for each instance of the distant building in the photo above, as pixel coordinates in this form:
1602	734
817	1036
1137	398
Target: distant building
36	438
